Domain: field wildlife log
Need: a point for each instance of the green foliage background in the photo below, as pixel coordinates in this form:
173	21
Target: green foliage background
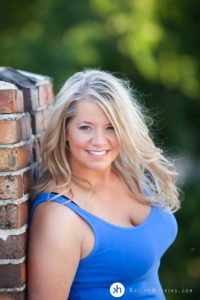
154	43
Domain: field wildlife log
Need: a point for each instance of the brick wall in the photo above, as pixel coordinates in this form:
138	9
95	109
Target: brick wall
25	102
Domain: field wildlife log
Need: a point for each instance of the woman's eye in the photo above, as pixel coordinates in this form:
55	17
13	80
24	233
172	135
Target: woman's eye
110	128
85	127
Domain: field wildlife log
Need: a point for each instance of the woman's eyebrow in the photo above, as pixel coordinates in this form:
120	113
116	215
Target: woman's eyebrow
87	122
91	123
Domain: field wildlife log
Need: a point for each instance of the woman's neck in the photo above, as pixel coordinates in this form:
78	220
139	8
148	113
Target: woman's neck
97	179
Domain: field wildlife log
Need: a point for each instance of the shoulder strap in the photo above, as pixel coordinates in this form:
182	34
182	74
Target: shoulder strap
47	196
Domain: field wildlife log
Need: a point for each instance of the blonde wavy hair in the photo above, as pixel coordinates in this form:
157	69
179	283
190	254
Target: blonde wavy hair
148	174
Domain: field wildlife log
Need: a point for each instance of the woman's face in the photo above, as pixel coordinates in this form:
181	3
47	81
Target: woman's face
92	140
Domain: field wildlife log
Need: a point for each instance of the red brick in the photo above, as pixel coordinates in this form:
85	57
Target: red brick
25	124
13	295
37	122
13	215
6	297
25	156
14	131
31	100
12	275
14	247
10	131
36	103
27	181
10	187
46	95
11	101
12	159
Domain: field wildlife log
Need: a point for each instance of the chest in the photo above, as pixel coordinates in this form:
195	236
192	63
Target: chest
133	252
127	214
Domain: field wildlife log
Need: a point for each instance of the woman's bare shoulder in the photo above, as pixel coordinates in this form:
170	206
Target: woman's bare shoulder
53	217
54	250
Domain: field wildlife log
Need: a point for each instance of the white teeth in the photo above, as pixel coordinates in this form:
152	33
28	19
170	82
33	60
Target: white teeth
98	153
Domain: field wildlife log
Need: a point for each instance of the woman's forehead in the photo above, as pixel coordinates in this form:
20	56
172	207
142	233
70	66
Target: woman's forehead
90	111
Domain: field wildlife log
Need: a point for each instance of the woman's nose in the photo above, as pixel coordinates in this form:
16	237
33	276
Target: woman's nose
99	138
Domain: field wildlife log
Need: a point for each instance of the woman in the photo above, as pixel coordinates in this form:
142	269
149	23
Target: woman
103	207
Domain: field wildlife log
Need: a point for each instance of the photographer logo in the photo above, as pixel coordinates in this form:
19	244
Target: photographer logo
117	289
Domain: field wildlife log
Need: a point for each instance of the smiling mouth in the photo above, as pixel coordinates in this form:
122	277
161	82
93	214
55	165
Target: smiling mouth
98	153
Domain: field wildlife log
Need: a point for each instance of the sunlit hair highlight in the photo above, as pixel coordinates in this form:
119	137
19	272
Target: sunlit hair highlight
149	175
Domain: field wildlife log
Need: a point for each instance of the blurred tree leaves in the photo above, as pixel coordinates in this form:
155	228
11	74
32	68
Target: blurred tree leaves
153	35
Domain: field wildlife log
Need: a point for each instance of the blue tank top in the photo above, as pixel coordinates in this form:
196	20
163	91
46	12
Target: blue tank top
124	261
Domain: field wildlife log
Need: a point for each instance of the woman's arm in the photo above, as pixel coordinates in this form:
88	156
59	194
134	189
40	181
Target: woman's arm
53	252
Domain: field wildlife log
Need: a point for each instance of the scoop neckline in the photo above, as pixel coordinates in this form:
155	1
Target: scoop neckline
146	220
